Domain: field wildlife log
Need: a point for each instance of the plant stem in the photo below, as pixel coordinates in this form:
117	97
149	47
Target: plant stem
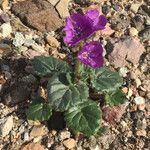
77	70
77	65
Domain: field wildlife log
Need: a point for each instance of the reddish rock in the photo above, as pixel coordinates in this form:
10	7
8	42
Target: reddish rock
38	14
126	50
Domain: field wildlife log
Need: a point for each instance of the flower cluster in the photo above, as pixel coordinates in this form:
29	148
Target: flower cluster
79	27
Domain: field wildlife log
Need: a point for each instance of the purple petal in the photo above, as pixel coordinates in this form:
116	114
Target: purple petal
92	14
102	21
91	54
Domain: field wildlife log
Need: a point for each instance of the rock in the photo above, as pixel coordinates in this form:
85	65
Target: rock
6	30
140	102
69	143
52	41
4	18
123	71
125	50
125	90
6	125
138	22
62	8
26	137
19	39
133	31
38	48
145	34
58	147
114	114
38	14
33	146
141	133
53	2
40	130
138	82
4	5
5	49
134	7
64	135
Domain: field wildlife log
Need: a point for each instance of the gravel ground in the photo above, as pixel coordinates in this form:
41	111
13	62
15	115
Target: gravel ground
27	30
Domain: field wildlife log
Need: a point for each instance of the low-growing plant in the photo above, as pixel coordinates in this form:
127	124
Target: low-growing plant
69	87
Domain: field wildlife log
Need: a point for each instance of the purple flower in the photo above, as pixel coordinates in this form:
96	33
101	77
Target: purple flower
79	27
91	54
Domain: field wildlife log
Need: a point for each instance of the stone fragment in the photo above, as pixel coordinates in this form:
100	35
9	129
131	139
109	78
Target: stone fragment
124	51
26	136
6	125
69	143
123	71
134	7
141	133
64	135
4	5
38	14
52	41
133	31
62	8
6	30
114	114
140	102
19	39
38	131
145	34
33	146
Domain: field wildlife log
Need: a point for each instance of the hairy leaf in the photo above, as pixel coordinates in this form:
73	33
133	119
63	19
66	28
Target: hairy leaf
106	80
45	66
62	95
84	118
39	110
115	98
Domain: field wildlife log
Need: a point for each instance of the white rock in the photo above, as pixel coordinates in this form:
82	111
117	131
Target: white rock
6	30
140	102
62	8
64	135
133	31
123	71
26	136
138	82
134	7
19	39
6	126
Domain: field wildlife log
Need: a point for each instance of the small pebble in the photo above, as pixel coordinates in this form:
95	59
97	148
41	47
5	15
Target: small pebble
69	143
64	135
6	30
140	102
19	39
133	31
26	136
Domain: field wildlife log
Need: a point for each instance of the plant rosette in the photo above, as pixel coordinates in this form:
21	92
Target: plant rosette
68	86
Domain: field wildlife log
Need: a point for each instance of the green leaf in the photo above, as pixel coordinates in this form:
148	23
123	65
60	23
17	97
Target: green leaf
115	98
86	72
106	80
62	95
84	118
45	66
39	110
